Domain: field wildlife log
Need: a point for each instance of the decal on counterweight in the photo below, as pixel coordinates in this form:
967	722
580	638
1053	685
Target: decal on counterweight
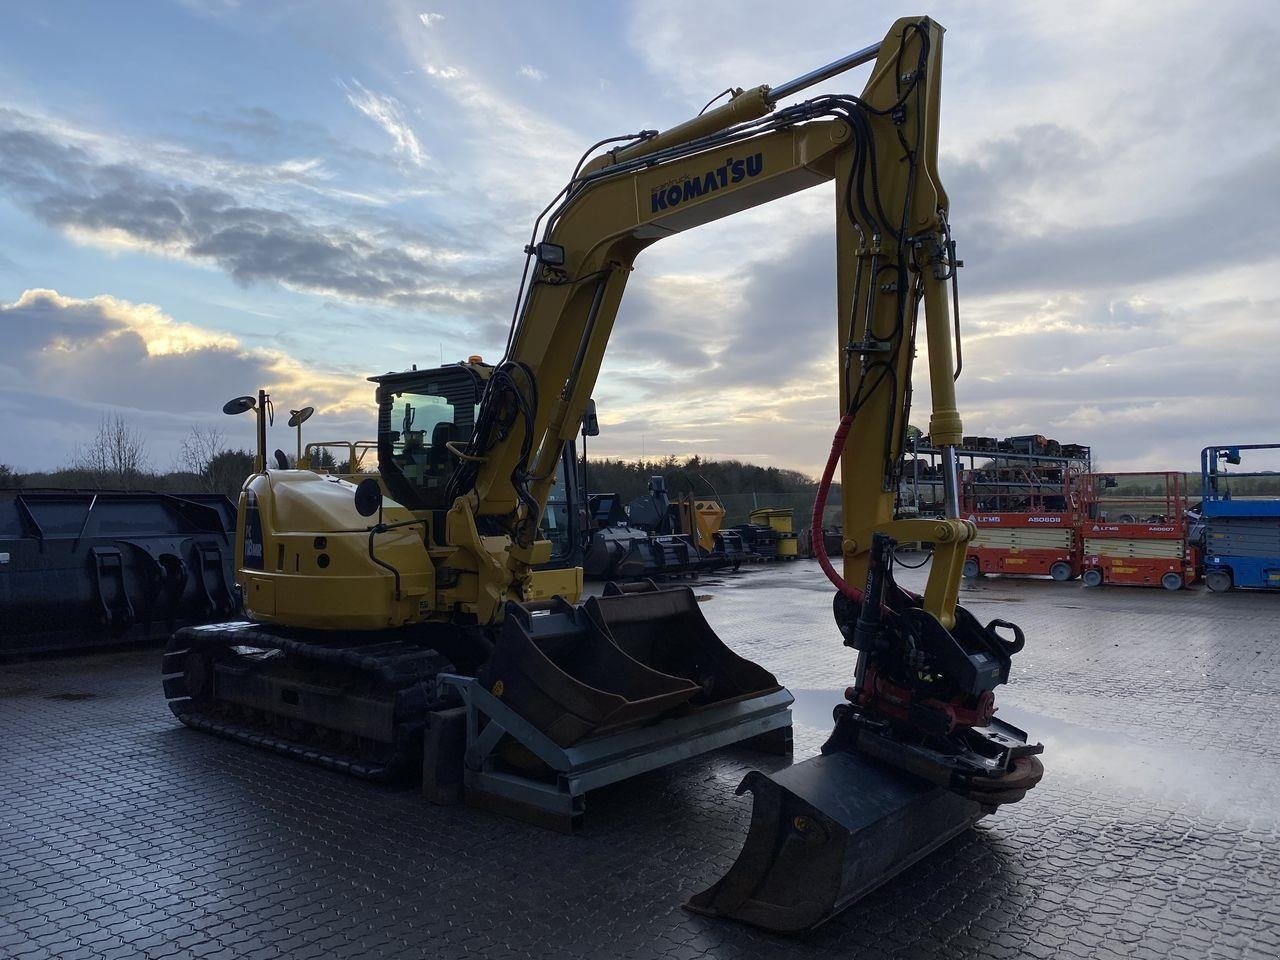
252	546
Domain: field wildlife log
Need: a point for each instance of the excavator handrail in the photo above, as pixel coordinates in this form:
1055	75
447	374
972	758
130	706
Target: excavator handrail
356	451
454	447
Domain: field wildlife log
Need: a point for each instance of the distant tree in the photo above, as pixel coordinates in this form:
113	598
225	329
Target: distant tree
227	470
322	460
740	486
9	477
199	448
116	457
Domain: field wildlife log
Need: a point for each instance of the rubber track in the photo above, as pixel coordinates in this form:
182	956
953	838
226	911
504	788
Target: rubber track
395	664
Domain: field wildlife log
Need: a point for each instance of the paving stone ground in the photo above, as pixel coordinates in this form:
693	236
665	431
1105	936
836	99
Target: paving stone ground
1156	832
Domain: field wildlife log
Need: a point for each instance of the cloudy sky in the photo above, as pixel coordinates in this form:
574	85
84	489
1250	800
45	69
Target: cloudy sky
200	198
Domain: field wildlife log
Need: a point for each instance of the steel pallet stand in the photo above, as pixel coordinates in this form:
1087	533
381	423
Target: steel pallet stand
558	799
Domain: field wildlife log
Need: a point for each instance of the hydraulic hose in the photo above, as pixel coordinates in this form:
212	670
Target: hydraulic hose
819	506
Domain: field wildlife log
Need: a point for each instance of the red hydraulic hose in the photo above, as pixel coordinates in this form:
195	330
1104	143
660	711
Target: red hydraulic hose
819	505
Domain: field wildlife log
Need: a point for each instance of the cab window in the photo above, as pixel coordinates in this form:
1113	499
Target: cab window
555	518
420	427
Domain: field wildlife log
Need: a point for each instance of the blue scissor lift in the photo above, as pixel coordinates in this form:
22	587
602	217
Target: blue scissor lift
1241	534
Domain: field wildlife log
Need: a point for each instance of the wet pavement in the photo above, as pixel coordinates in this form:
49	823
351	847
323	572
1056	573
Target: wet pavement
1156	832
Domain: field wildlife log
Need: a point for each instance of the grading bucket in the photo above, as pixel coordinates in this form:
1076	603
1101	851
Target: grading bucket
616	661
560	671
826	832
666	631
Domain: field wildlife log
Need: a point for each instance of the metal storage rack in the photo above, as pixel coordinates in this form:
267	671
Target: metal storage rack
1001	473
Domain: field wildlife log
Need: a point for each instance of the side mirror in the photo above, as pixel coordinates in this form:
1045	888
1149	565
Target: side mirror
368	497
590	425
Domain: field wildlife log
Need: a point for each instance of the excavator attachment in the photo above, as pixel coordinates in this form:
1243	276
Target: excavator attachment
829	830
916	756
826	832
560	670
576	697
633	655
665	630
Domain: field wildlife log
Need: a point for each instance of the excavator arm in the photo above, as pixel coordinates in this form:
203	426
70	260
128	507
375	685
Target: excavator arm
893	252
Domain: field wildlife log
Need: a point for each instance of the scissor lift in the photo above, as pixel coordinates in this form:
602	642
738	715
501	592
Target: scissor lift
1137	531
1027	514
1241	528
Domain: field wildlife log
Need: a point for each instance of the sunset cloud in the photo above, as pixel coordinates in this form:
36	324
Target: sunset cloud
118	205
252	224
103	353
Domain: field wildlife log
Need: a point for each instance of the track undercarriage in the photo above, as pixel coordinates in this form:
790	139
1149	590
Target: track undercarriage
359	703
348	703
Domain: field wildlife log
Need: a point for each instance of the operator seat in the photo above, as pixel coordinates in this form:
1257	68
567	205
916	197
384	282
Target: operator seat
439	459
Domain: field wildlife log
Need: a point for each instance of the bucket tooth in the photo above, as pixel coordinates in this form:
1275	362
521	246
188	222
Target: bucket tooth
824	833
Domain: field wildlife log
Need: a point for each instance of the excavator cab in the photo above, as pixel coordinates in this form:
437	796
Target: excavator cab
420	413
425	417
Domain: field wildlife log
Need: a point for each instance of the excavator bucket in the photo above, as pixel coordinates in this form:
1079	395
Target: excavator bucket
560	670
617	661
574	697
660	555
826	832
666	631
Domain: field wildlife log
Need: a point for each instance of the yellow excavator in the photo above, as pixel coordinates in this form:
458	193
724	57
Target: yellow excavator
424	627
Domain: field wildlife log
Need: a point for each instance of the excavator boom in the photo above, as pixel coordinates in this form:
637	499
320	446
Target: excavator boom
893	252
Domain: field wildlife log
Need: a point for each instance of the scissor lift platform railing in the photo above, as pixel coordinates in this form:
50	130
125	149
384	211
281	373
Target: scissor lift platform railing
557	798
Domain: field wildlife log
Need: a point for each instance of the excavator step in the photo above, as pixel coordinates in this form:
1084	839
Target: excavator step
827	831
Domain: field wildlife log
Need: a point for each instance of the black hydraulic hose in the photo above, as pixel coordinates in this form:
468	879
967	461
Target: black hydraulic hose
955	302
383	528
382	563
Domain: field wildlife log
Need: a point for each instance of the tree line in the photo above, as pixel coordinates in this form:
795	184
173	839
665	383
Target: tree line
1264	486
741	487
117	458
702	478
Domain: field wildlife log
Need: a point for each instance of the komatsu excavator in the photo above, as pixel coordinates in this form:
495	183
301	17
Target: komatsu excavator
424	624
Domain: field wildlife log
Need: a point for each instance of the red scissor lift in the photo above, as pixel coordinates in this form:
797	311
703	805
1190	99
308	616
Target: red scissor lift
1137	532
1028	516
